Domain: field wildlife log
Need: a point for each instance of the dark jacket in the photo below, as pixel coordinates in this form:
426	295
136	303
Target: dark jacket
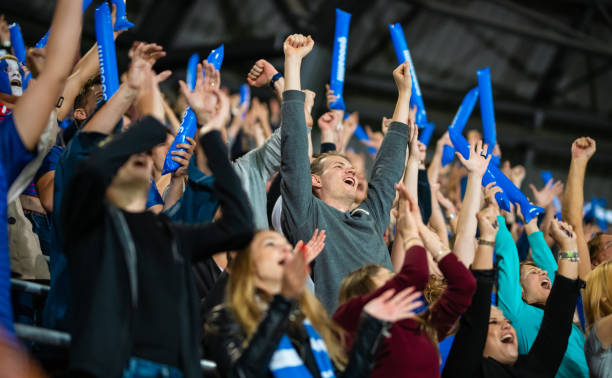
544	357
102	254
224	342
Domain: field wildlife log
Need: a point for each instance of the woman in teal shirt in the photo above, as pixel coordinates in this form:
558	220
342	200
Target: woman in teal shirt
523	290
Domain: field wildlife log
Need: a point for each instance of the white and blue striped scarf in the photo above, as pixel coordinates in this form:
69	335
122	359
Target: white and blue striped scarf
287	363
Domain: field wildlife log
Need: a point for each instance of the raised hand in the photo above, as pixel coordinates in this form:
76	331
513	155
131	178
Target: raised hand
212	77
489	194
564	235
222	115
478	161
487	222
384	124
5	33
297	46
201	100
149	52
183	157
583	148
330	96
328	121
308	104
295	272
376	138
517	174
392	308
544	196
402	78
414	154
314	247
348	129
407	214
261	73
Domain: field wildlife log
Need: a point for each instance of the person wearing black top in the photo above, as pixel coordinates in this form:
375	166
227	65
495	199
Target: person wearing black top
486	344
135	302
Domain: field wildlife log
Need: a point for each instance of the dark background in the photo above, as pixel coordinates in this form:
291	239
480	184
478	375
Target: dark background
550	60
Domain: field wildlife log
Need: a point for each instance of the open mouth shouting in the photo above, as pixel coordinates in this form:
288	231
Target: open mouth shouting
507	338
546	284
350	180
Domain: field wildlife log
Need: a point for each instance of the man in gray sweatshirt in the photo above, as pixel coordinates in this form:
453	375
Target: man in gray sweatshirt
322	198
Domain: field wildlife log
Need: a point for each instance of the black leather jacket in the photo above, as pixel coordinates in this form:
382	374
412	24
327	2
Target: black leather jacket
224	342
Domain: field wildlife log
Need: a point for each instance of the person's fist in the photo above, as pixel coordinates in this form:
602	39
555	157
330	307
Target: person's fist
564	235
261	73
297	46
402	78
328	121
583	148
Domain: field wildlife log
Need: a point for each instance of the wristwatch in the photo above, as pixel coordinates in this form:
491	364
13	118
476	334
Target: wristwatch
570	255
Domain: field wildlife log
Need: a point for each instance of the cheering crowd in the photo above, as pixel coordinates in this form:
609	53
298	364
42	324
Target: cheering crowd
267	255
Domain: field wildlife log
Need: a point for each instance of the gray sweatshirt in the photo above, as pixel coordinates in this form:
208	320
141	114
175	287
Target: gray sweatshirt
255	169
353	238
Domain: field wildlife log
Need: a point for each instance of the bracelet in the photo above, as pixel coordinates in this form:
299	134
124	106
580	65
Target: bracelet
570	255
486	242
451	216
276	76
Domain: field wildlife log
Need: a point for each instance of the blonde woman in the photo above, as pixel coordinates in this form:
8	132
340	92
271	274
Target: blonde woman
598	310
271	327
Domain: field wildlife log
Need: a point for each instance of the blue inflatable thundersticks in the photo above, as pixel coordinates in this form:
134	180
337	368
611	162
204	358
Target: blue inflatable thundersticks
43	41
426	133
122	22
403	54
489	134
189	124
461	145
245	96
338	68
17	43
459	122
216	57
106	51
493	174
192	69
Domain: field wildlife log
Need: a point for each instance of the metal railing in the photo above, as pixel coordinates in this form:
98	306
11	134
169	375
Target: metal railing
59	339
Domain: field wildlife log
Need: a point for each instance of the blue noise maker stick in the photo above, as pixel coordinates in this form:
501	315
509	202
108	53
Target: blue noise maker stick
189	124
425	135
245	97
122	22
546	177
462	146
192	69
43	41
459	122
17	43
106	51
188	128
486	108
336	81
216	57
403	54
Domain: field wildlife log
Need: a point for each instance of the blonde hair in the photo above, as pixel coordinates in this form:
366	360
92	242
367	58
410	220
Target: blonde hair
598	286
241	299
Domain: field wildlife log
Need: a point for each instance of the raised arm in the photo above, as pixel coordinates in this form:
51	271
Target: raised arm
476	166
551	342
388	168
32	110
235	227
573	198
296	184
143	58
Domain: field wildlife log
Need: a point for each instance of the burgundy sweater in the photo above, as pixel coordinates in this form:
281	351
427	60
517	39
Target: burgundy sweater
409	352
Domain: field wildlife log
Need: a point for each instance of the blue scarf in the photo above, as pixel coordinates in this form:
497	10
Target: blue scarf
286	363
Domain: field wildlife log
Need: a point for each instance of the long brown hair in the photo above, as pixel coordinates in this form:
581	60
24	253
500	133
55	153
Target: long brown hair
242	301
598	286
